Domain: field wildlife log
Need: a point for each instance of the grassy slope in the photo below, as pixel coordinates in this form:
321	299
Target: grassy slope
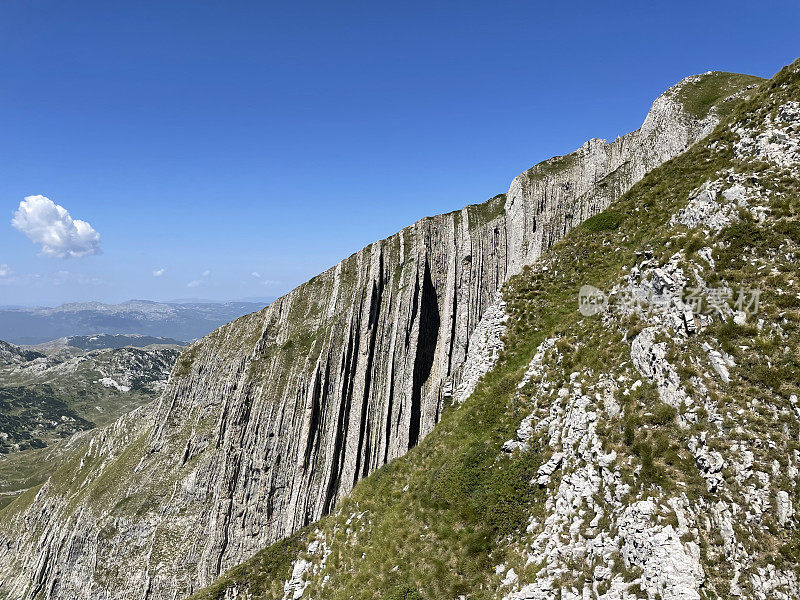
431	522
20	471
700	96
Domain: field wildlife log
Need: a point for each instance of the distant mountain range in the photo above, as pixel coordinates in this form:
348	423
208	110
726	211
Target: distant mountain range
107	340
184	321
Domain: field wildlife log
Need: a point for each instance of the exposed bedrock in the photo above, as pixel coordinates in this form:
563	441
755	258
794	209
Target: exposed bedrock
267	422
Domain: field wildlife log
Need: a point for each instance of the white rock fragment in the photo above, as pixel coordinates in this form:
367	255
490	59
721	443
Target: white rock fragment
547	469
783	508
510	578
720	361
296	585
112	383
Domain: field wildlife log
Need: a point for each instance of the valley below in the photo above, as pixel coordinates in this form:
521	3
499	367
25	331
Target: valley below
49	396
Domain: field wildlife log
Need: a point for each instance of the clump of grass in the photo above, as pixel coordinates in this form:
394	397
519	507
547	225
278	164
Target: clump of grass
663	414
605	221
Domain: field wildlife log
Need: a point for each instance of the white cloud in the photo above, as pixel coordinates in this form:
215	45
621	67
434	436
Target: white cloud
50	225
206	273
194	283
256	274
158	272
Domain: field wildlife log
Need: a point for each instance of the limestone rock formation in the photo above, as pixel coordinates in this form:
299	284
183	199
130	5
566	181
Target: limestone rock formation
270	420
648	450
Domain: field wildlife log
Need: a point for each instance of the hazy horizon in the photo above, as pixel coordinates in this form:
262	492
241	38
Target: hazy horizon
248	300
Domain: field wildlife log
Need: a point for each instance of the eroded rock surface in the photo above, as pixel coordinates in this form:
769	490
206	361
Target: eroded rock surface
267	422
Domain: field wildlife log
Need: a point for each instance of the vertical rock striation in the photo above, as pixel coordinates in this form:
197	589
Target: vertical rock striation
267	422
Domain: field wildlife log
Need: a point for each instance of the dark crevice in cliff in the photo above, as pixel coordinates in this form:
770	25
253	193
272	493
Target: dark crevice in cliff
387	434
271	495
499	271
427	338
222	420
453	328
186	451
343	419
149	589
248	396
319	396
412	320
313	421
362	463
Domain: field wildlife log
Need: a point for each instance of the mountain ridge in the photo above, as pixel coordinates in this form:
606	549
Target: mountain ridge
180	321
237	398
106	340
646	448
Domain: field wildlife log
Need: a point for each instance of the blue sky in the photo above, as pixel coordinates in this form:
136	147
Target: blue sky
218	140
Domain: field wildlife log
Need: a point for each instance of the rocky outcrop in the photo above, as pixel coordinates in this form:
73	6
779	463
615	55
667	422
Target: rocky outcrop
14	355
267	422
545	202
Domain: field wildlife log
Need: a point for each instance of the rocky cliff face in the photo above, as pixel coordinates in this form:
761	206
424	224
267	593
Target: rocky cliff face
270	420
643	443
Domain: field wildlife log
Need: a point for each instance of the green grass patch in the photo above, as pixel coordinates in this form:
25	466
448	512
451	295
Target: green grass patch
698	97
263	576
605	221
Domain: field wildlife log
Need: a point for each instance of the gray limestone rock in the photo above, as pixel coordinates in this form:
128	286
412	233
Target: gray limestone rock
270	420
783	508
548	468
